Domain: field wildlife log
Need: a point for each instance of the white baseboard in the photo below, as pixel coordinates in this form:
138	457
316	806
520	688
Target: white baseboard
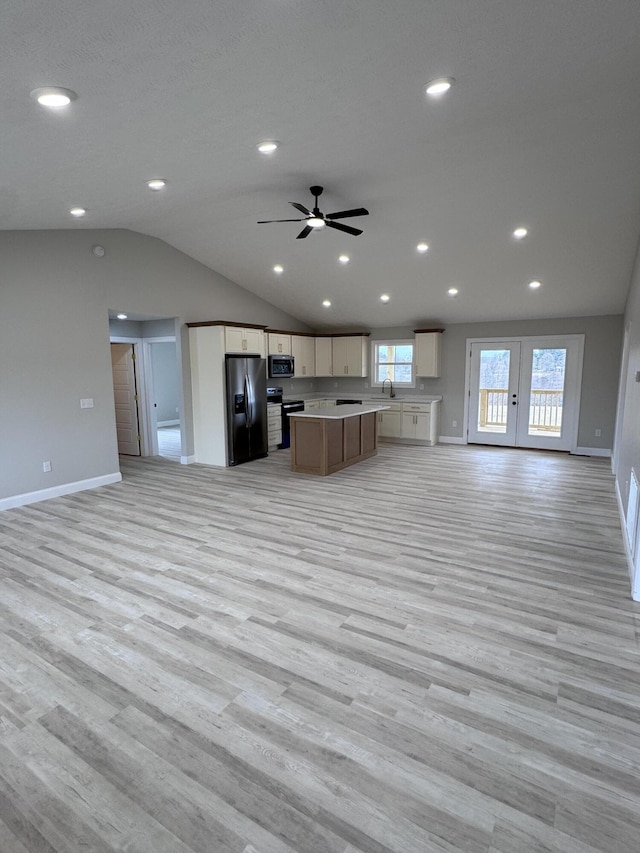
635	581
451	439
187	460
592	451
59	491
167	423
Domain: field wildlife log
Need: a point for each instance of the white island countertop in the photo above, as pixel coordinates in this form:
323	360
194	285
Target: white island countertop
337	413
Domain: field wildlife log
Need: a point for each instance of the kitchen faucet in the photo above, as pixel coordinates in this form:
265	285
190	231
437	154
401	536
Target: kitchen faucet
392	393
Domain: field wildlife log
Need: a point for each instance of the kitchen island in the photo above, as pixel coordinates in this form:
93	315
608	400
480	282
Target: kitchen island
326	440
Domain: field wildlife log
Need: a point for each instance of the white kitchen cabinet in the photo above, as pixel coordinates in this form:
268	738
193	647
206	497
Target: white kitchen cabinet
390	422
350	355
417	421
279	343
303	351
206	349
244	340
416	426
274	425
323	356
428	346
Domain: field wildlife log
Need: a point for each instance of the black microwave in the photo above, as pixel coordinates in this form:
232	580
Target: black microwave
280	366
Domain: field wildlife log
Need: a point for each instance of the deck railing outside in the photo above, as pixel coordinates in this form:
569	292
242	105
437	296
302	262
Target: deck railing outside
545	409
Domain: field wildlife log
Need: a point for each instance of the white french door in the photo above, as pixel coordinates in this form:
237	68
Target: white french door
525	392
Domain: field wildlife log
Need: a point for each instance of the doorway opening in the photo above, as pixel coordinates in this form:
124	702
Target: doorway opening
524	392
158	386
163	387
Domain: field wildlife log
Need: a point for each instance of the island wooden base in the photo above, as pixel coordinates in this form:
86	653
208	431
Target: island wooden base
323	445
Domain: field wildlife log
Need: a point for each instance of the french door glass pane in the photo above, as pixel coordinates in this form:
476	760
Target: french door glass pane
493	392
547	391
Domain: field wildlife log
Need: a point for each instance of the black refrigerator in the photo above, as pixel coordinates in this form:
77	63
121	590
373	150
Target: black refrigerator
246	407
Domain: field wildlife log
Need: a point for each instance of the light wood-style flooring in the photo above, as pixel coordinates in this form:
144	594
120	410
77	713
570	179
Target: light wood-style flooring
169	442
434	650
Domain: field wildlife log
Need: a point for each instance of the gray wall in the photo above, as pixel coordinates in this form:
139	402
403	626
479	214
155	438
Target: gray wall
603	343
627	447
54	342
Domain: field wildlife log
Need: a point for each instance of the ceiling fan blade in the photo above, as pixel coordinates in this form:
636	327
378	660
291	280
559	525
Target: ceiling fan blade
341	227
342	214
304	233
266	221
301	208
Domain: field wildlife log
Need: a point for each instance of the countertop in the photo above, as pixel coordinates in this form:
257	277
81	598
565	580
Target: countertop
338	413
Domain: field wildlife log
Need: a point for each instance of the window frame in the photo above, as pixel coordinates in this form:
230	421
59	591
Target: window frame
393	343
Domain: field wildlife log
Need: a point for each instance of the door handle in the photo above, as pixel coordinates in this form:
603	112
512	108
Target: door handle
246	402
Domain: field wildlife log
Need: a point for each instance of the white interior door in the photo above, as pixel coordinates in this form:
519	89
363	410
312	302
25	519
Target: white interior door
526	393
126	399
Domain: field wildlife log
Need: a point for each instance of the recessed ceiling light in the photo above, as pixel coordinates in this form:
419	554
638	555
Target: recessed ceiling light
268	146
278	269
453	291
344	259
53	96
78	211
534	285
157	184
520	233
422	248
437	88
316	222
385	297
121	316
327	303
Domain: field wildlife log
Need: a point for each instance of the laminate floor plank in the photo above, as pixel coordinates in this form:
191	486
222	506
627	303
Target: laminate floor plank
432	651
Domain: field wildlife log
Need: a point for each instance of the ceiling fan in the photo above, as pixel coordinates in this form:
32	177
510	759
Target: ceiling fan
316	220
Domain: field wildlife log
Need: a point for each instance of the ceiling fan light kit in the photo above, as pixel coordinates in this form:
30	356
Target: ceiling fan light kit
315	220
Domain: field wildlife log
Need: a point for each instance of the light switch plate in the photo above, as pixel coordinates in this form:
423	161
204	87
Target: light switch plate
86	403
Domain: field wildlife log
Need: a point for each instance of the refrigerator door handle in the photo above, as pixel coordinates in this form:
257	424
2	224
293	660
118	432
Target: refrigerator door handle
245	390
248	400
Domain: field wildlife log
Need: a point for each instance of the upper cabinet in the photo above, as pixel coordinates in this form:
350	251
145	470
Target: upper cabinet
279	343
350	355
324	357
428	347
239	339
304	355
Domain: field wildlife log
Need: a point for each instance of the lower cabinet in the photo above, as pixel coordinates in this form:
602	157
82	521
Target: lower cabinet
410	422
390	422
416	426
274	425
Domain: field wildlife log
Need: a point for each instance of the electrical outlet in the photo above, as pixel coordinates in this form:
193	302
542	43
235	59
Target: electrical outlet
46	467
598	433
86	403
454	423
422	386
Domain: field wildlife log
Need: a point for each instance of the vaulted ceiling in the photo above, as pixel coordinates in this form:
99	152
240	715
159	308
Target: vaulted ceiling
541	129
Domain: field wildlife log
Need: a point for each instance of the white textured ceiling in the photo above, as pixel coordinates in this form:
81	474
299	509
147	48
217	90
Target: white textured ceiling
542	128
